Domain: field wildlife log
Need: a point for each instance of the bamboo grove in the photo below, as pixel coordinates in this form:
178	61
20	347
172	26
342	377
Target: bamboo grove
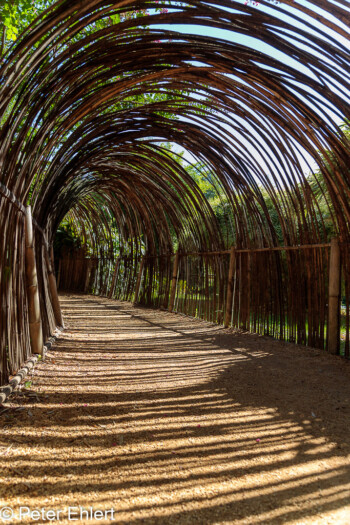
93	94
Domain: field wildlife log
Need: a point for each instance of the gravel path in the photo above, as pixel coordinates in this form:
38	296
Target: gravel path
170	420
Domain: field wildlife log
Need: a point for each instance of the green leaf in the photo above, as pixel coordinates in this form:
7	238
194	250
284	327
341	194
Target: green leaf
115	19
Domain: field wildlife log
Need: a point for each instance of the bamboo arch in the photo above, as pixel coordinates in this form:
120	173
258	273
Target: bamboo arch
85	111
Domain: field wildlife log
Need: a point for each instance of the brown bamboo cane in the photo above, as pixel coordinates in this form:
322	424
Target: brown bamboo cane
229	296
333	298
138	282
53	290
174	281
59	273
35	325
248	302
115	273
168	282
87	275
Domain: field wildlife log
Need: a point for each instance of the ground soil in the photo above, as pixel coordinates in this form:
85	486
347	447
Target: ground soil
171	420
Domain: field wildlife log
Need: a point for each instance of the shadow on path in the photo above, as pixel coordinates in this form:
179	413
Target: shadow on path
168	419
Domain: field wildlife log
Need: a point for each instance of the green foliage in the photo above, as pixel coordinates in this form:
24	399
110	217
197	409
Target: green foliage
66	238
325	213
205	180
16	15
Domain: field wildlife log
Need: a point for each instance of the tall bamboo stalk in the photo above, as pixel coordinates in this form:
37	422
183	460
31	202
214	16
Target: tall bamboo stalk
333	298
35	326
138	282
174	281
229	296
53	290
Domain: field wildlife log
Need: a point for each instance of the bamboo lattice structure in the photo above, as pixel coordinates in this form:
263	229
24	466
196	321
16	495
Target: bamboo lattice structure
86	113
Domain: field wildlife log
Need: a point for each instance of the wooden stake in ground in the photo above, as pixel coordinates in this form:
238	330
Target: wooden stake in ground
229	296
174	282
35	327
333	299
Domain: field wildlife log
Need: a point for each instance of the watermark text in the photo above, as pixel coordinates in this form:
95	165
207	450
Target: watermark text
8	514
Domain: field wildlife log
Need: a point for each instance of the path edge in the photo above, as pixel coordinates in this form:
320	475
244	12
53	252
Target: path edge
7	390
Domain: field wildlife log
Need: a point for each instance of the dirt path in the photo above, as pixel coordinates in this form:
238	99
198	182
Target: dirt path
170	420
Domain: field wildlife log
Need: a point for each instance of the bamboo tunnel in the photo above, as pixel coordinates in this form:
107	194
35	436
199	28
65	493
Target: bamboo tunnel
198	142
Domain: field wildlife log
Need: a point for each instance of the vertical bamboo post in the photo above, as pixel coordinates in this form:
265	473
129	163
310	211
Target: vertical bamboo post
114	278
53	290
215	290
87	274
35	327
52	258
249	264
174	281
333	298
207	298
138	282
229	296
168	282
59	273
150	281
